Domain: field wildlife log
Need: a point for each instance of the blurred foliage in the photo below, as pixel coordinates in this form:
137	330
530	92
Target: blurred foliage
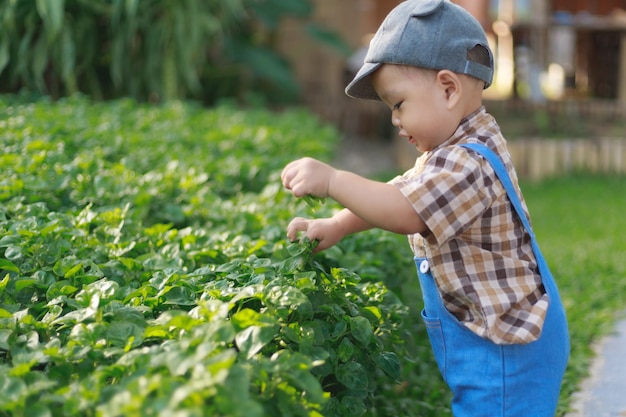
152	50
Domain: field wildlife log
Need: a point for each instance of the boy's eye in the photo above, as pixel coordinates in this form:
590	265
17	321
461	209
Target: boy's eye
397	105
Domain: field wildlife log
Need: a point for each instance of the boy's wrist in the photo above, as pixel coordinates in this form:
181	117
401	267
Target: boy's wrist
340	224
329	183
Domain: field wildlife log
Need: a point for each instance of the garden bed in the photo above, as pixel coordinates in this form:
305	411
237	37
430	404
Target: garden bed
145	270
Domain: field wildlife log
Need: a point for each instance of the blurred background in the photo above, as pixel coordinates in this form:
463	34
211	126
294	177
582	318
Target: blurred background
169	111
560	65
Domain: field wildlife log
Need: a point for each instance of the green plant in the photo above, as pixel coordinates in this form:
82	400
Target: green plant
145	269
150	50
138	48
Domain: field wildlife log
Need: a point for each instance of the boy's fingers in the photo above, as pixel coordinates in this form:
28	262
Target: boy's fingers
286	176
289	173
298	224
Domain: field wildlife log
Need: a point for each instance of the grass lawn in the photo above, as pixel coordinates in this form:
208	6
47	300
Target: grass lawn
580	224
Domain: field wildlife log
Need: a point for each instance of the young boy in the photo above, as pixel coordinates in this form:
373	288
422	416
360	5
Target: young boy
492	310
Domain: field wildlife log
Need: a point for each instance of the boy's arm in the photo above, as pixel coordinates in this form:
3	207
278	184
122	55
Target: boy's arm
376	204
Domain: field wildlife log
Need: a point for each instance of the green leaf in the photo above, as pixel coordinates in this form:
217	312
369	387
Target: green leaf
305	280
5	336
287	297
3	283
329	38
8	265
338	330
352	406
13	389
60	288
221	361
13	252
4	55
266	65
248	317
390	364
251	340
361	329
54	311
353	375
51	12
73	271
120	333
37	410
20	284
308	384
76	316
66	267
178	296
345	350
313	201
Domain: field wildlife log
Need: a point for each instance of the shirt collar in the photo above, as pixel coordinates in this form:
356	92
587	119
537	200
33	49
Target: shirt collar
468	127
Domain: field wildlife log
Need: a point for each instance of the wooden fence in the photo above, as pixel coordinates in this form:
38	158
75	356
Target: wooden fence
536	159
541	158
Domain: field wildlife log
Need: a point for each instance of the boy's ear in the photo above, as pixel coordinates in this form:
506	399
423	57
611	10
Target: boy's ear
451	86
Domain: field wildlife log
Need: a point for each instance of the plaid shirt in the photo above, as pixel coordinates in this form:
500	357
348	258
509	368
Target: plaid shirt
478	250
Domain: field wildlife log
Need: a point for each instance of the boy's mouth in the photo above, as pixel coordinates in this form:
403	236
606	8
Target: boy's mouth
408	137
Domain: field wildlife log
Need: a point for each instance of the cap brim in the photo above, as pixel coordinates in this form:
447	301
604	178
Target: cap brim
361	86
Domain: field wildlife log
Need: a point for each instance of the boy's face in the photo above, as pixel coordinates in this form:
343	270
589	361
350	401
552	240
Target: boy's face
419	108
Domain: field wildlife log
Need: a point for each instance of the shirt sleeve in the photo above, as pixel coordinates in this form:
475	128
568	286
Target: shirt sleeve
449	193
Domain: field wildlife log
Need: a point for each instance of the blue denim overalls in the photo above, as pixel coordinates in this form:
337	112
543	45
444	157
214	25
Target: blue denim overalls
493	380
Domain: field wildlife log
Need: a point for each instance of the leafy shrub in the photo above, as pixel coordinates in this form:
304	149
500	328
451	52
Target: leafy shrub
145	272
150	50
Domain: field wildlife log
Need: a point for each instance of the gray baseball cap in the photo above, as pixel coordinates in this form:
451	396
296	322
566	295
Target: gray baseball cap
432	34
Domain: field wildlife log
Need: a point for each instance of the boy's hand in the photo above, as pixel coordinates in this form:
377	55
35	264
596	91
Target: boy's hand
327	232
307	176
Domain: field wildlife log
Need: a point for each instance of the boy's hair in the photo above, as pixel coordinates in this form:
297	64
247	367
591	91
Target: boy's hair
430	34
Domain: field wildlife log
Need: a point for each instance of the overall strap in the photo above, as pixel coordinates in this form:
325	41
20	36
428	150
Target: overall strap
505	179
